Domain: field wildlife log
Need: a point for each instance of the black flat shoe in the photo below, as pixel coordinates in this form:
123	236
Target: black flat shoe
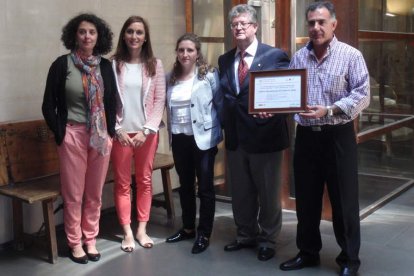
299	262
93	257
236	245
265	253
180	236
79	260
200	244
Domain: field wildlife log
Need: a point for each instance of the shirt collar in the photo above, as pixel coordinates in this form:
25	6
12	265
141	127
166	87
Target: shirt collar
332	44
334	40
251	50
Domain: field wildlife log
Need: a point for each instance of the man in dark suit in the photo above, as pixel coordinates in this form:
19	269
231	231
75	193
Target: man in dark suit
254	144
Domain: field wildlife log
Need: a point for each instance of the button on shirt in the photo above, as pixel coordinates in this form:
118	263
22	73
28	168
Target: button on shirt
340	77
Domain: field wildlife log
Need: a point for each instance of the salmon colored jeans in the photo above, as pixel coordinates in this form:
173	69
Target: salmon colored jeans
82	175
143	157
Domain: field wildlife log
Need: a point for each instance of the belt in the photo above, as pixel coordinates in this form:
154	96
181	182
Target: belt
320	128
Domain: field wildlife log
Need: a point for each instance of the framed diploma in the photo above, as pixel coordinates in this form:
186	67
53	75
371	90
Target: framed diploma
278	91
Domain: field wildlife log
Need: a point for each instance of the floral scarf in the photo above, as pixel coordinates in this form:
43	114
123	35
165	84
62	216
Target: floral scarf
94	91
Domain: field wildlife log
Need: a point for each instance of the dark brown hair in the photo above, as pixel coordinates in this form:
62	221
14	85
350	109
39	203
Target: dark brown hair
122	54
104	42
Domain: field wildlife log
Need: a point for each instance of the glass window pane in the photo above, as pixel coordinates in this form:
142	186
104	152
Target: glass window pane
208	18
211	52
387	15
391	152
391	71
301	29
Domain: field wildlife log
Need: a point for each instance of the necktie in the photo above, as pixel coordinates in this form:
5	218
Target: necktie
243	68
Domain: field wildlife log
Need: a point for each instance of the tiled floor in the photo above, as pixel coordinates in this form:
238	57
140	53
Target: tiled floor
387	249
387	236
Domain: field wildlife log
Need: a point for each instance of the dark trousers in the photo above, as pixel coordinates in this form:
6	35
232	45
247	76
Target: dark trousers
255	188
190	162
327	156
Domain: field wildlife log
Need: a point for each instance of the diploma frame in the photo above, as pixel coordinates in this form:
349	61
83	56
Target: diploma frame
298	86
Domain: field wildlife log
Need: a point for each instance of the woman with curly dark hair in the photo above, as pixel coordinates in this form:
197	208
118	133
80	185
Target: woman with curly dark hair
79	107
193	105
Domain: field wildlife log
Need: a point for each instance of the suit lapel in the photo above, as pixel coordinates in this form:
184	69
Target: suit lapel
256	64
230	72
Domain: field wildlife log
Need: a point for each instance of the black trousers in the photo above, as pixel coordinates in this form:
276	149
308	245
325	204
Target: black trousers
190	162
327	155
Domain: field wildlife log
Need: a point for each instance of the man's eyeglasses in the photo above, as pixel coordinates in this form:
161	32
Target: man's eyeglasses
243	25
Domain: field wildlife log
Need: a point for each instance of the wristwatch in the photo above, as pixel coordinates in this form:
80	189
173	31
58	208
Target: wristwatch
146	132
329	112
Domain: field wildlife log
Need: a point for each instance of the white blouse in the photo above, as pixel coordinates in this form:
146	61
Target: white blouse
180	107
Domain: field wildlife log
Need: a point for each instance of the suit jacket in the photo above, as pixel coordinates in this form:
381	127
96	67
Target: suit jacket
206	104
54	107
254	135
152	93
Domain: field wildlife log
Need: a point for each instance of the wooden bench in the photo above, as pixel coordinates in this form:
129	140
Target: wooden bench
29	168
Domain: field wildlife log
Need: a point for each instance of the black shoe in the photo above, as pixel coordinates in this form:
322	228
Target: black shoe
236	245
180	236
93	257
200	244
79	260
299	262
265	253
348	271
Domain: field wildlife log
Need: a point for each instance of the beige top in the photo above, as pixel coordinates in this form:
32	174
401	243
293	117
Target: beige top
75	95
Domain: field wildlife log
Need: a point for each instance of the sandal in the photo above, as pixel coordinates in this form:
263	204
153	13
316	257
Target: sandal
145	242
127	247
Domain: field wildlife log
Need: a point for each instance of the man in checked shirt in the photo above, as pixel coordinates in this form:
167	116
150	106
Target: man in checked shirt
325	146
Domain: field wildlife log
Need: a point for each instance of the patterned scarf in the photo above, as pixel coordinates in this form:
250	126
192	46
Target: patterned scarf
94	90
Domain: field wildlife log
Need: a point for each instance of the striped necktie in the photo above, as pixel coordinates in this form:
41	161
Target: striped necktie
243	68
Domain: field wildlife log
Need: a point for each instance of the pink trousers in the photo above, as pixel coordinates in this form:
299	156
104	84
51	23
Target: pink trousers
143	158
82	175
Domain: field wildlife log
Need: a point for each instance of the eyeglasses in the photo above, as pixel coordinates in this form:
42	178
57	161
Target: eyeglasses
243	25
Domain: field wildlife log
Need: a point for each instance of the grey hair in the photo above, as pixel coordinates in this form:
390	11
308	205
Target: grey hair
319	5
243	8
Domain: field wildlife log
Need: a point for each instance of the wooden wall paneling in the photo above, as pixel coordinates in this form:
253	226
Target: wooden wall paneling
283	31
4	178
189	16
283	35
347	16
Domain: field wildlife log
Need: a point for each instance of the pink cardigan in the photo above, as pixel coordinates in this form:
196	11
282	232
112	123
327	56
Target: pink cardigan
153	96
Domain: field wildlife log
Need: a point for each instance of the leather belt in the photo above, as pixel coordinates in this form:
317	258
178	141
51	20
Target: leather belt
319	128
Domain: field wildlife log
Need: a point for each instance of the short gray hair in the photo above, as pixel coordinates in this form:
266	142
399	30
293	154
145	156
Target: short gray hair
319	5
243	8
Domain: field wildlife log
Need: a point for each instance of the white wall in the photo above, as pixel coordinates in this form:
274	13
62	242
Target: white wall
30	41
